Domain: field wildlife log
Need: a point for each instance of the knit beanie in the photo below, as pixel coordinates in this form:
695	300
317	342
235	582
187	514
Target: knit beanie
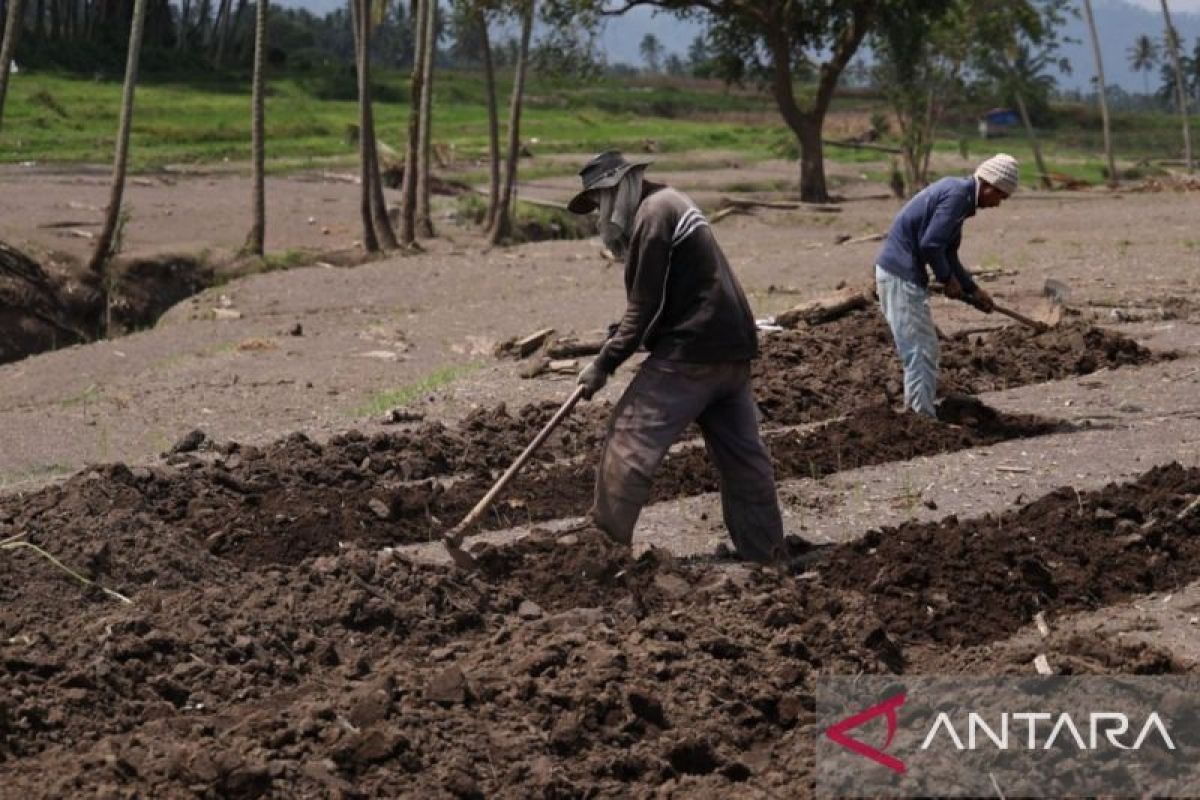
1000	171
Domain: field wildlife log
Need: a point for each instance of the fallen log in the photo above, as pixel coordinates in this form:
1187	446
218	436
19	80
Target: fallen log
870	237
524	346
824	309
778	205
571	347
882	148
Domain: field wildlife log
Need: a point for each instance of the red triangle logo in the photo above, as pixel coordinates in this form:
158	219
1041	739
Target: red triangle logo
887	708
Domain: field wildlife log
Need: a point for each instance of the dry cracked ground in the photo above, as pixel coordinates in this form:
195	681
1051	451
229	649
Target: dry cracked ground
292	633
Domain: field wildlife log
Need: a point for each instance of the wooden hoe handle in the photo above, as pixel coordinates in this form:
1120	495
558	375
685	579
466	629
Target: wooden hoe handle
455	536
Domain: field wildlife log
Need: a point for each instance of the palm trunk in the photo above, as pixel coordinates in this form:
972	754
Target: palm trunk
1102	93
112	217
221	30
424	219
408	189
1043	173
1181	96
236	27
360	20
489	79
379	213
258	201
12	29
502	225
185	12
379	216
203	13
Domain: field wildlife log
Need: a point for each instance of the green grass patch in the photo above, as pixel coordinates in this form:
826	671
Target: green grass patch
381	402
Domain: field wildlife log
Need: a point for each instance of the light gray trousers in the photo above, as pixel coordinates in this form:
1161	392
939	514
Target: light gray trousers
661	401
906	307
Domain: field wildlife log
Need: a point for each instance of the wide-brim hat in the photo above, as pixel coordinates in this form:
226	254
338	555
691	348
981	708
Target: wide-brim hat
602	172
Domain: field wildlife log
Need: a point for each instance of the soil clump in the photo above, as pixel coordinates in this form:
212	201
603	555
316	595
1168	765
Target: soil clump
298	498
813	373
564	667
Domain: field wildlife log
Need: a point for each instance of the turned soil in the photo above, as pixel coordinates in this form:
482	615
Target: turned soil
565	666
813	373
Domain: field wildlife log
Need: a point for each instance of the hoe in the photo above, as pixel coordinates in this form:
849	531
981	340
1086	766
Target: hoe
454	538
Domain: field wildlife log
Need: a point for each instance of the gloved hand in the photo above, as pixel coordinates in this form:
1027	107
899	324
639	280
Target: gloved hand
982	300
953	289
592	378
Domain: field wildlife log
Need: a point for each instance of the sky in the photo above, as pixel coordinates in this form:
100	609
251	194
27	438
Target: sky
1175	5
1119	21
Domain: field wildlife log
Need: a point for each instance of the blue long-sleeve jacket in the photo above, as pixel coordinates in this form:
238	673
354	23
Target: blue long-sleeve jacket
928	232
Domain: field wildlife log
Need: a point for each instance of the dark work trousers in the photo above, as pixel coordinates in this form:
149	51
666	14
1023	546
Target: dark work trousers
663	399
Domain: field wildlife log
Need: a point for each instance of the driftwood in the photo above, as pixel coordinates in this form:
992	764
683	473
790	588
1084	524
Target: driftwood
882	148
993	274
779	205
870	237
824	309
543	365
524	346
725	212
571	347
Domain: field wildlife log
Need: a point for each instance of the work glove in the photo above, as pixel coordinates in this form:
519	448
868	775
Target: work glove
592	378
953	289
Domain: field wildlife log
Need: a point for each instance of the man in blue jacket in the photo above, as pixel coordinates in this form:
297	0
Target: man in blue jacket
927	233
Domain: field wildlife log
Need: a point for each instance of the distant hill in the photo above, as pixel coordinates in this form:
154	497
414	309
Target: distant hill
1118	21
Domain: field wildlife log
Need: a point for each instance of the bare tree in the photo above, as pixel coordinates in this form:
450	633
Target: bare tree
1102	94
1181	95
424	219
377	228
408	188
502	224
258	202
220	30
360	23
379	214
489	78
12	29
112	217
185	16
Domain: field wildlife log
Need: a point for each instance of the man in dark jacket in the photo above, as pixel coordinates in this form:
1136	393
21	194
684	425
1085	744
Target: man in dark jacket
927	234
685	306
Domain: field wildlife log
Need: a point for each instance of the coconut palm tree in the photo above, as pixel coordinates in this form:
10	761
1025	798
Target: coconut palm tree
489	79
502	223
1143	57
104	242
1101	94
12	28
258	202
1171	43
408	188
425	142
377	228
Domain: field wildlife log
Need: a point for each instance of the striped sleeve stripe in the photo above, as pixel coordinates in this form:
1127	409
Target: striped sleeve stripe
688	224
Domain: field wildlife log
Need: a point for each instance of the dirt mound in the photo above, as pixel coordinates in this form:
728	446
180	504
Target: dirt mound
968	582
298	498
811	374
145	288
871	435
565	667
44	307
